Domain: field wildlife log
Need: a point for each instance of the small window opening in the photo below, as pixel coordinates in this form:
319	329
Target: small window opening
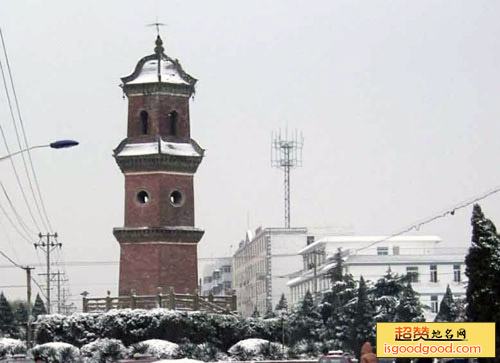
144	122
174	119
176	198
143	197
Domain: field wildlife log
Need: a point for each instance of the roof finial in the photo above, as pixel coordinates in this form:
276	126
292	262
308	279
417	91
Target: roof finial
159	45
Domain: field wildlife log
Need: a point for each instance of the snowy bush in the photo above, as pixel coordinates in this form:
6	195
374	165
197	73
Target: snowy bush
161	349
134	326
178	360
56	352
204	352
10	346
256	349
103	350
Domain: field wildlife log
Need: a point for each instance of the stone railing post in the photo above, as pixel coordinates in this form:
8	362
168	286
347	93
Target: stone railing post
159	297
108	301
133	298
171	299
233	302
196	300
85	304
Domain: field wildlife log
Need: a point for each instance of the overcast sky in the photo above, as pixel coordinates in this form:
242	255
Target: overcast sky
398	103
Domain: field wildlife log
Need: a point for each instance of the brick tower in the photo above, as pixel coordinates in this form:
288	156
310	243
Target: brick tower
158	158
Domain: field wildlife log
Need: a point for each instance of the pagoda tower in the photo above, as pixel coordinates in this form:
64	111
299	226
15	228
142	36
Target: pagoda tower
158	242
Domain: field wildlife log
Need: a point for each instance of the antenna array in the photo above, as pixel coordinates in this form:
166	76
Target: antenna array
286	154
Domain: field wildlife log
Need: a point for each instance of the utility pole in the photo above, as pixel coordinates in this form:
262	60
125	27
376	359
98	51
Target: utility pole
28	298
48	246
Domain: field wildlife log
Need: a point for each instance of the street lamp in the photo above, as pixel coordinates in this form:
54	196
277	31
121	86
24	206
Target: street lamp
60	144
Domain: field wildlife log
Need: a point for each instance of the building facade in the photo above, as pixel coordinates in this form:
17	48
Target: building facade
432	267
263	262
217	278
158	242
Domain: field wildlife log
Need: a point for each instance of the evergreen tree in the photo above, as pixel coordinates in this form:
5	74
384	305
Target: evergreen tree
337	272
483	270
448	311
338	305
7	320
482	267
409	308
363	329
21	317
282	304
305	321
255	313
387	293
38	307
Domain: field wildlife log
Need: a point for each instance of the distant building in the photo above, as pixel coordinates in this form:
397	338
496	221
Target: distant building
431	267
217	278
263	262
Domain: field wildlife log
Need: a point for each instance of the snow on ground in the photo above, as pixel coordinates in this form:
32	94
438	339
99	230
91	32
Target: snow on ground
183	360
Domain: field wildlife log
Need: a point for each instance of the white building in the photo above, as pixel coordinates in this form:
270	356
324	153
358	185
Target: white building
263	262
431	266
217	277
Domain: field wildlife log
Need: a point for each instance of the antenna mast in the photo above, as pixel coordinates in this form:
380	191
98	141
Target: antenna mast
286	154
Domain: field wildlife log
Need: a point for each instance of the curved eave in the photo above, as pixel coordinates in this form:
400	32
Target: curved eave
191	81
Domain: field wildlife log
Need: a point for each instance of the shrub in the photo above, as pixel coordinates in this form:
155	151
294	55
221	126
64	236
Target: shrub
161	349
103	350
56	352
10	346
256	349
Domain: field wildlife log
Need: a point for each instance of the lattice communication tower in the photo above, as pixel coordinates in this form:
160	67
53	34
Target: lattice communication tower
286	154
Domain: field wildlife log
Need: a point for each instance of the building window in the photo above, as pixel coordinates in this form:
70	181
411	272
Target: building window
395	250
226	269
456	273
310	239
412	272
434	273
173	117
144	122
382	251
434	304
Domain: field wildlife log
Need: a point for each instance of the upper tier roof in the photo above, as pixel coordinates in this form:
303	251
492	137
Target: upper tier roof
159	68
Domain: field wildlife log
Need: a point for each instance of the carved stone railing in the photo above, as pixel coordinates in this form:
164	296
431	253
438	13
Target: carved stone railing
171	300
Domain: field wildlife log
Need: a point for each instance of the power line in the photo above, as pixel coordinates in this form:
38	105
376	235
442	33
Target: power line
26	143
8	148
450	211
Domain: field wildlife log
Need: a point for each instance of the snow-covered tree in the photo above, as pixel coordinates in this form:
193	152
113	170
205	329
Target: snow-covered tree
363	329
409	309
305	321
337	308
8	324
483	270
282	304
448	308
387	292
38	307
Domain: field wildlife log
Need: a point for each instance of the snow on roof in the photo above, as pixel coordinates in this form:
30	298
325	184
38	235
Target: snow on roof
368	239
169	72
405	259
168	148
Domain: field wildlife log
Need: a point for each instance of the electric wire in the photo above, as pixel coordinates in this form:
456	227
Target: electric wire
449	211
18	217
35	178
17	132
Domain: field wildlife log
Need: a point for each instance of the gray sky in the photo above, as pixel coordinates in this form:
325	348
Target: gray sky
397	101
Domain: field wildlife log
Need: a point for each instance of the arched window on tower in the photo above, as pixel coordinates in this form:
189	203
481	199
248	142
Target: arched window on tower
174	120
144	122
